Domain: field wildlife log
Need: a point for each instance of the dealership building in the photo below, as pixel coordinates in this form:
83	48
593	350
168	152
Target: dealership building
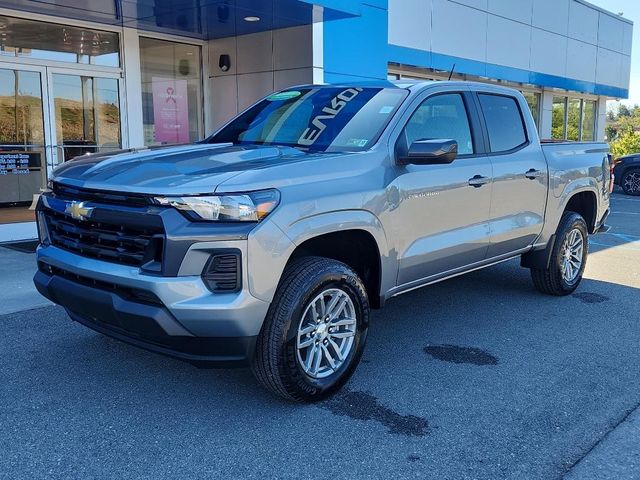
81	76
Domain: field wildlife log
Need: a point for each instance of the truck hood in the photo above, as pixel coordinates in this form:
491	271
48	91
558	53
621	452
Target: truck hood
174	170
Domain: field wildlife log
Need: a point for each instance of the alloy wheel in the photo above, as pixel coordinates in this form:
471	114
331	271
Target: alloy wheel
572	253
632	182
326	333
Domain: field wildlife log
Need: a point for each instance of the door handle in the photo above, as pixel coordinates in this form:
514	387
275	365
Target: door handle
478	181
532	174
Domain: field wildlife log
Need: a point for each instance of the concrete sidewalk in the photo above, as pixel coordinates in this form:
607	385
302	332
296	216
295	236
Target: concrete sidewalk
16	285
616	456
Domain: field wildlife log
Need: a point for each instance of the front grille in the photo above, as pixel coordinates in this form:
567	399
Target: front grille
123	244
222	273
65	192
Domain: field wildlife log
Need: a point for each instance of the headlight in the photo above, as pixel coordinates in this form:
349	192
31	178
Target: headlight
245	207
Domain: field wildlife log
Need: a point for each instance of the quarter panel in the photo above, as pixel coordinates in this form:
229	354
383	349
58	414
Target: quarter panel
574	168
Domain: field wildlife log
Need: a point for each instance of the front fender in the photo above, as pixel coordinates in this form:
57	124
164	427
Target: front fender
267	264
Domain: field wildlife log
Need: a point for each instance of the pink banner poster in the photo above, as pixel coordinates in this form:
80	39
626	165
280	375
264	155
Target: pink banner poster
170	110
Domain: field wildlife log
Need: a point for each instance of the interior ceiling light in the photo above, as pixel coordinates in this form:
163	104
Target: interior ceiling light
251	19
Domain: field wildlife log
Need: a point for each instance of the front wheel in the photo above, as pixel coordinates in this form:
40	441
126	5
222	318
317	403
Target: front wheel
314	333
631	182
568	258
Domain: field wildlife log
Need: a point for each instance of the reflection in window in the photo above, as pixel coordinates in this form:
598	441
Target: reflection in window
171	91
557	118
588	121
578	124
573	119
533	100
20	108
22	166
59	43
87	113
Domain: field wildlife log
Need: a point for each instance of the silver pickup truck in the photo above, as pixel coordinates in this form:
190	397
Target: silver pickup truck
268	243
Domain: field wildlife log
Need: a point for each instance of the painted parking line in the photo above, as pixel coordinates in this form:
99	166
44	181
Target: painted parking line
626	246
625	213
617	240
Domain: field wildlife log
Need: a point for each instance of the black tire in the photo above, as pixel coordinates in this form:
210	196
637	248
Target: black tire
551	280
630	182
275	363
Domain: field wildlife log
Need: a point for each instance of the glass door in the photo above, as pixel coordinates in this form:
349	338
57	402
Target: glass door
23	137
85	111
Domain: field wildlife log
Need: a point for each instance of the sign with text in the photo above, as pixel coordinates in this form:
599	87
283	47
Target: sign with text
18	163
170	110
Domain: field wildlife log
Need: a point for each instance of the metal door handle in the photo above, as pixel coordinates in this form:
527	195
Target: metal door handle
532	174
478	181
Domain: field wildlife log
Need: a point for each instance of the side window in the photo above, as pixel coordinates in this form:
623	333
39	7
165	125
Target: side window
441	117
504	122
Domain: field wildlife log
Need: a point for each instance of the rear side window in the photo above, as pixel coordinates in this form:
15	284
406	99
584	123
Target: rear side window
504	122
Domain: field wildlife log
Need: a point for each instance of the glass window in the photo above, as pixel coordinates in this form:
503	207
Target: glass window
588	121
533	100
22	165
441	117
171	91
49	41
20	108
557	119
573	119
504	122
87	114
316	119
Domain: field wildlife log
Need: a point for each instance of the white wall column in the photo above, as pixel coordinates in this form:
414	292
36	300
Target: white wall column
546	114
317	46
133	87
601	119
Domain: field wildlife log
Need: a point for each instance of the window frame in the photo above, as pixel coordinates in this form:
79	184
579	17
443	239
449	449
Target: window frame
475	128
527	139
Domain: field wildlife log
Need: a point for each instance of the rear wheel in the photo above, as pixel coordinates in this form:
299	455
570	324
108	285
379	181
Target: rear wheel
568	258
314	332
631	182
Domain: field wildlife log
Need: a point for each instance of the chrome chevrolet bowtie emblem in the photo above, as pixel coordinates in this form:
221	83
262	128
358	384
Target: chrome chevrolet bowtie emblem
78	210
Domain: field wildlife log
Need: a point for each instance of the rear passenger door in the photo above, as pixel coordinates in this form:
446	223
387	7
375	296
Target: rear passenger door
520	173
440	223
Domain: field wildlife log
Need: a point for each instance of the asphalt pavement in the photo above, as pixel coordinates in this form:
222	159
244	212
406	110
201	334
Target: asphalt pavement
476	377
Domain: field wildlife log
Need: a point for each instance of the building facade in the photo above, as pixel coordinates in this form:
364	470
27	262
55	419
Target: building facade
81	76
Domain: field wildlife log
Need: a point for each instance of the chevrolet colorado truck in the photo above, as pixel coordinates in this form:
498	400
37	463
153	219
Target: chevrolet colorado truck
268	243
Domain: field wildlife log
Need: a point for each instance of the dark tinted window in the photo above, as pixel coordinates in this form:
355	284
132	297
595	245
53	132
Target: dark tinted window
441	117
504	122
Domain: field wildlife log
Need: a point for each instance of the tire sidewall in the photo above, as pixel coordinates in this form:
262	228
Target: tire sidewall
574	221
316	388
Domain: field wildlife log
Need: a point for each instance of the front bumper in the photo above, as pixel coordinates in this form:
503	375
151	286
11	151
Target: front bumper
175	316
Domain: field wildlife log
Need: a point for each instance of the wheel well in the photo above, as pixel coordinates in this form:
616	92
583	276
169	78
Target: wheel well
356	248
586	204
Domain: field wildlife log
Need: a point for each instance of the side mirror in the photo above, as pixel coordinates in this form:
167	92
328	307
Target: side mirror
430	152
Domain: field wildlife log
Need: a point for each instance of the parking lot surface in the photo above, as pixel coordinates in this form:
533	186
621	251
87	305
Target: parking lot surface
476	377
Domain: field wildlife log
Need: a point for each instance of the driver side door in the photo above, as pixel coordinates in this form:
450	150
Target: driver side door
441	223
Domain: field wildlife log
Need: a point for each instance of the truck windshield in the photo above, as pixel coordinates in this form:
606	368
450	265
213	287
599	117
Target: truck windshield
322	119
